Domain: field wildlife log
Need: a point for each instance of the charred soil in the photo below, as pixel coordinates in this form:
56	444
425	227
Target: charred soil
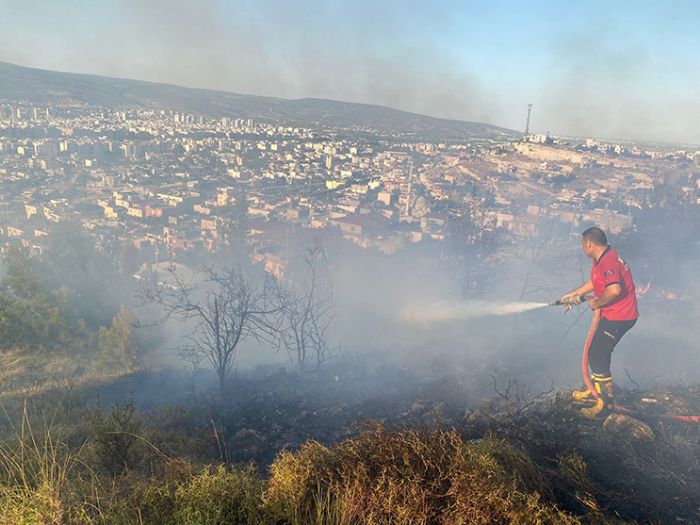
364	446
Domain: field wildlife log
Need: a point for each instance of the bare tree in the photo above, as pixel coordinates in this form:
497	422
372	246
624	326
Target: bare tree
307	312
226	309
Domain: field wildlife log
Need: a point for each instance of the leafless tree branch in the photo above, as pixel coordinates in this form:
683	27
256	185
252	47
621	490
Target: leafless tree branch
307	312
225	309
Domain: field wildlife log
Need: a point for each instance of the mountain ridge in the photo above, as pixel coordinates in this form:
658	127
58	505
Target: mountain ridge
46	87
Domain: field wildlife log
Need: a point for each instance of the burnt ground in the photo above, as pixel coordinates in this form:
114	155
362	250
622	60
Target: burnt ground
650	478
638	477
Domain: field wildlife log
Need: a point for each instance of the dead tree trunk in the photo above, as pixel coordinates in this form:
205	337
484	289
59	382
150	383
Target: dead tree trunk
307	312
224	310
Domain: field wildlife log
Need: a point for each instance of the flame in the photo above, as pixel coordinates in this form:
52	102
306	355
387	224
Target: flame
644	289
661	293
670	295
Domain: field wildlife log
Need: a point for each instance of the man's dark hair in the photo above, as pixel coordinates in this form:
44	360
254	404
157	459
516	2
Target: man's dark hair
596	236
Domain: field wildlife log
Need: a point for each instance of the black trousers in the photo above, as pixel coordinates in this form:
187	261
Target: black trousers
604	340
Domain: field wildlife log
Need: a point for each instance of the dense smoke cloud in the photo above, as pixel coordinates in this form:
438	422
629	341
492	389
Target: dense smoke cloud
598	86
599	80
365	53
534	346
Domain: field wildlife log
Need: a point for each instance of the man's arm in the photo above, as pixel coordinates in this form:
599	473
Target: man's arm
609	295
581	290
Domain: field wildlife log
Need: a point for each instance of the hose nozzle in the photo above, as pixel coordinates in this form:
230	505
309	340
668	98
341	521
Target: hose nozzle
569	301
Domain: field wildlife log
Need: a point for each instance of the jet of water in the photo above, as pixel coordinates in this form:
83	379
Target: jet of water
464	310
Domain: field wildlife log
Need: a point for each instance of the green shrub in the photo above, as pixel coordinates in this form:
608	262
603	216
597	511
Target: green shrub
115	435
220	496
214	496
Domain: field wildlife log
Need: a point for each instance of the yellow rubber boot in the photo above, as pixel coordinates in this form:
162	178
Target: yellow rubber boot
582	395
604	404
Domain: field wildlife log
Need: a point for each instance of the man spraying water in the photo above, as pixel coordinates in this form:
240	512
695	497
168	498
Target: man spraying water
614	297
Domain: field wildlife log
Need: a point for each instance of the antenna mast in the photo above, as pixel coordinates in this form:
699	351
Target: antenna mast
527	123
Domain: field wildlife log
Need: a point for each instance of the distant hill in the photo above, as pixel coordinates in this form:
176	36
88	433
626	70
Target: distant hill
45	88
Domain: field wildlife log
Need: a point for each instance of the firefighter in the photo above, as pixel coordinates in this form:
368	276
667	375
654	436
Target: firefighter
614	295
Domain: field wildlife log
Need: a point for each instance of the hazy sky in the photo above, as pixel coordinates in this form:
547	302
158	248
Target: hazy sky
627	69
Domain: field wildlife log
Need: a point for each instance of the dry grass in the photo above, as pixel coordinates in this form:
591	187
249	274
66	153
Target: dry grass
27	374
35	475
414	477
379	477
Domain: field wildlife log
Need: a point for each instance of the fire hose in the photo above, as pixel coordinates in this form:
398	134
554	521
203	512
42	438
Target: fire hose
584	364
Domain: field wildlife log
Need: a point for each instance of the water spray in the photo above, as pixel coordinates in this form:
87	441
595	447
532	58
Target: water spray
455	311
449	311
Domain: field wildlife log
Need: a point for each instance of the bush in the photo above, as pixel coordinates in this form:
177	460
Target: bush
412	477
115	434
493	483
295	482
220	496
214	496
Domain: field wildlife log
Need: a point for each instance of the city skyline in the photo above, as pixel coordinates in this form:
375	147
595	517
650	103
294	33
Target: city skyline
596	70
